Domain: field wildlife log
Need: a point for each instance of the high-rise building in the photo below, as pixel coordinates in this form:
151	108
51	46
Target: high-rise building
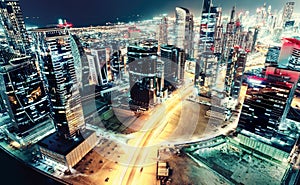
289	53
287	12
101	65
142	75
208	74
238	72
184	30
14	26
57	65
162	35
24	98
209	20
116	66
174	67
210	35
265	108
294	59
80	62
72	141
272	56
22	91
229	36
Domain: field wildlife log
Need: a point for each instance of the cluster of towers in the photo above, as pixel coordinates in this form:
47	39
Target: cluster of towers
221	46
40	87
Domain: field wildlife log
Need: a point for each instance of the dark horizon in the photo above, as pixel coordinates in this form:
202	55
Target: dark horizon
95	12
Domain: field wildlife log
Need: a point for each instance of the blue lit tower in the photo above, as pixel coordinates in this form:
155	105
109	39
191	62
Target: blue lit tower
14	26
57	65
207	62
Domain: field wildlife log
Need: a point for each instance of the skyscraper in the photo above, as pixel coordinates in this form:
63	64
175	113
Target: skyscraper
229	36
207	61
142	75
265	108
272	56
22	91
184	26
289	53
80	62
239	69
72	141
287	12
174	68
14	26
24	98
209	19
100	60
294	59
57	65
162	35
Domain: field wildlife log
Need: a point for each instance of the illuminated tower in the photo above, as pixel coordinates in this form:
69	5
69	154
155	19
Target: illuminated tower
100	65
174	69
142	62
207	62
264	111
57	65
24	98
229	36
287	12
80	62
184	26
163	31
21	88
14	26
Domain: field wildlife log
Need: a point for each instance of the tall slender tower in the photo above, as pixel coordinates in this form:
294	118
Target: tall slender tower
57	65
184	26
207	63
163	31
21	88
287	12
14	26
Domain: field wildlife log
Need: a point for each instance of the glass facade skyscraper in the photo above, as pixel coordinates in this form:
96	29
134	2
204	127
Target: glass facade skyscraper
57	65
14	26
184	26
22	92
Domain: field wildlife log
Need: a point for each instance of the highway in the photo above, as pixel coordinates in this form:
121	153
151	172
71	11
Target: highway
140	165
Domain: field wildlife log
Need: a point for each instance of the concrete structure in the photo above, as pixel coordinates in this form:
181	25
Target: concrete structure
67	152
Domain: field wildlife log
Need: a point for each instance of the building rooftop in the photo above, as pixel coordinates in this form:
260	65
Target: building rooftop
60	145
280	141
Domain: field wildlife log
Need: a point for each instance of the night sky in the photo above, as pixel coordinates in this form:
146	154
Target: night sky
97	12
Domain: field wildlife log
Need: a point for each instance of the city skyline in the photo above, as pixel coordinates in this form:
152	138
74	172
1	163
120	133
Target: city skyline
94	12
155	100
